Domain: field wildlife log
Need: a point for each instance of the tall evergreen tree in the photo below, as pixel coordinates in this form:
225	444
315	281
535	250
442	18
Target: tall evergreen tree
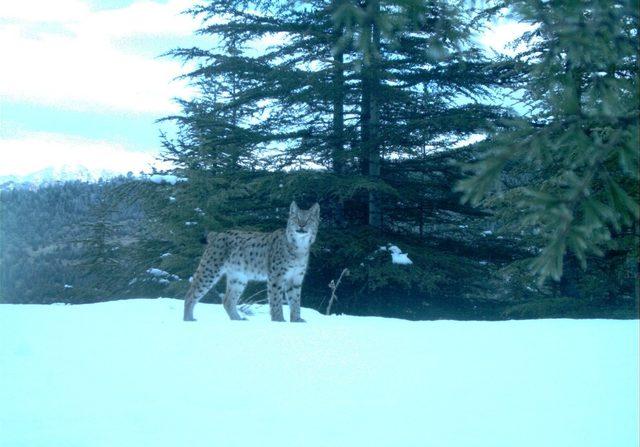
358	105
354	89
567	171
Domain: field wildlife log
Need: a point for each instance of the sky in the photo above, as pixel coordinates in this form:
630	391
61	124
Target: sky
84	83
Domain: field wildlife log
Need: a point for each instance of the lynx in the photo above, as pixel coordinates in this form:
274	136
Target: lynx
279	258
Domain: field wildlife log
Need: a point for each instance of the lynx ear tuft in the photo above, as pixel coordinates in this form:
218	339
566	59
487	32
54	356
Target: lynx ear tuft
293	208
315	209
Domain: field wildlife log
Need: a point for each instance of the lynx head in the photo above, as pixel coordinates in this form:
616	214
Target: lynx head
302	225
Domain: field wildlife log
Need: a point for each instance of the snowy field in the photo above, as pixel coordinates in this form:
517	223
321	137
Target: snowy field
130	373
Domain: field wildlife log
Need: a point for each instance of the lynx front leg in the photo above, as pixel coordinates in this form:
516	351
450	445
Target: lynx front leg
293	296
274	293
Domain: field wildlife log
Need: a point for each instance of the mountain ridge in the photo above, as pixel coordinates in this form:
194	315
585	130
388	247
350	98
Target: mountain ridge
57	174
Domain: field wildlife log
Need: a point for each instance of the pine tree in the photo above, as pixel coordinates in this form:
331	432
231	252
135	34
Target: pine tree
567	171
349	88
356	105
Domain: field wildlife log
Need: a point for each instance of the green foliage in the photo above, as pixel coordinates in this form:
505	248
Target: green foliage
569	307
567	171
306	101
359	106
363	107
65	234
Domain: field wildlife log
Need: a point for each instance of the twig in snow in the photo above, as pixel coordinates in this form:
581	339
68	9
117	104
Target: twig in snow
245	306
334	286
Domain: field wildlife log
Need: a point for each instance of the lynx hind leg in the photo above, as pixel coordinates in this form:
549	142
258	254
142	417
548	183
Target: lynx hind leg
206	276
235	287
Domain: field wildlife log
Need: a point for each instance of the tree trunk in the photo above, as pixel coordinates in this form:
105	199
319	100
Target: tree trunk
370	113
338	154
338	114
365	120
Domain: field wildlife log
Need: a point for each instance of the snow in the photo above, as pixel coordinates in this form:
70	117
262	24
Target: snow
166	178
400	258
131	373
162	276
58	173
397	257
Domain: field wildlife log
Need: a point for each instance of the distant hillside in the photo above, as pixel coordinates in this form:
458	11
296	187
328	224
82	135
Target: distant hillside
67	242
80	242
55	174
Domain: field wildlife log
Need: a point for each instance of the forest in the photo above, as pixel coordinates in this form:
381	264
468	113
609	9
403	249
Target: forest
510	181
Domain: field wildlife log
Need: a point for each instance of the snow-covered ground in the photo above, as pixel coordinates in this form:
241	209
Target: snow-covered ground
130	373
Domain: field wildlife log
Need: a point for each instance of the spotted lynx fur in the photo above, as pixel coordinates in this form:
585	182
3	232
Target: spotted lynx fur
279	258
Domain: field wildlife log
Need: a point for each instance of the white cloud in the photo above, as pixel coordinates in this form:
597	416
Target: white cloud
34	151
499	35
44	11
261	44
63	54
140	18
